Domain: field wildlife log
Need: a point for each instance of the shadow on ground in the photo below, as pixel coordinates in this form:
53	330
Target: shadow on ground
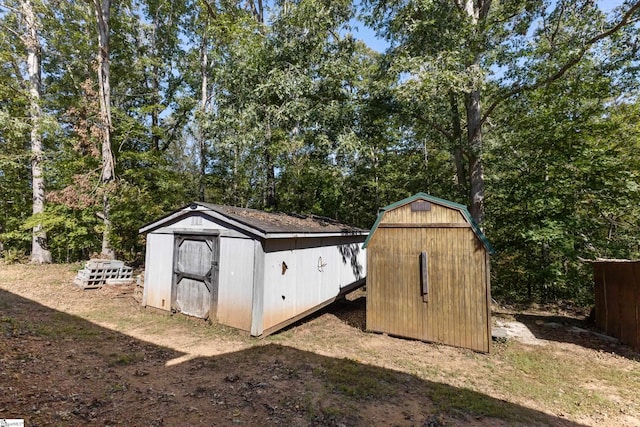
574	331
59	369
352	312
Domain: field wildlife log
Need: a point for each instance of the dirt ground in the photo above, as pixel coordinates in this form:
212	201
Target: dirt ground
95	357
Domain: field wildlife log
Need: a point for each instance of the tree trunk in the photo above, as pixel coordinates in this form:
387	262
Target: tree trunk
256	7
204	96
203	162
155	114
102	11
39	253
234	181
458	151
476	172
270	200
155	84
477	12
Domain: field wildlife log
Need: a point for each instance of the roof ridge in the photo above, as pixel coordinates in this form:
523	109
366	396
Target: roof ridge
259	215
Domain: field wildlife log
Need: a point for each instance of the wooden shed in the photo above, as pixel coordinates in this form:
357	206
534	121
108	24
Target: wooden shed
428	274
252	270
617	298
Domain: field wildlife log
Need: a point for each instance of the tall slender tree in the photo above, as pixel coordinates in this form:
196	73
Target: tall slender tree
102	10
39	252
15	189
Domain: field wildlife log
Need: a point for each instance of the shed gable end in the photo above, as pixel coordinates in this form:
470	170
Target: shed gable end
196	221
437	214
440	214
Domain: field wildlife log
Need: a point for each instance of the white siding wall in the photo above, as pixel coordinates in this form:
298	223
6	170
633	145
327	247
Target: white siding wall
158	271
314	274
235	289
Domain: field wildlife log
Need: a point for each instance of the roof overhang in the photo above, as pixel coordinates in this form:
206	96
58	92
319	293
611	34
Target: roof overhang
218	217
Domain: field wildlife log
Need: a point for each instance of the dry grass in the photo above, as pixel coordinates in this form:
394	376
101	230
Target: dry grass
323	371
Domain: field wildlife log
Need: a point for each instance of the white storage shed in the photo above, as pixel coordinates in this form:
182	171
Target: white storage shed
252	270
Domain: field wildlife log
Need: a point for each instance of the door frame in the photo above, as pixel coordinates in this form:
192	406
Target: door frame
212	236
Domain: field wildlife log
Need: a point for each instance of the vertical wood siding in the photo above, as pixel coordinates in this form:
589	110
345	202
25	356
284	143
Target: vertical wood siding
437	214
236	282
617	298
158	272
456	312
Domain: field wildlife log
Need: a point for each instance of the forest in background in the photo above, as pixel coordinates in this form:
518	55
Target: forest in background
113	114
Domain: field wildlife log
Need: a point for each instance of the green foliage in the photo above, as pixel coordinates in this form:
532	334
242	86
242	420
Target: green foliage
545	77
13	256
15	191
563	182
288	111
73	232
143	195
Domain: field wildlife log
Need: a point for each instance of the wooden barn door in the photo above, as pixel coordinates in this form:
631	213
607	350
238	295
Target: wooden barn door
195	275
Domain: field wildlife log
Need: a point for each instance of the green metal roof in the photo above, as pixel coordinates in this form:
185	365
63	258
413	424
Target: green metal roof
424	196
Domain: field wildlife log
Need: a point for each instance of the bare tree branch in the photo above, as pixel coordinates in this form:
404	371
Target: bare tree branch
459	4
335	35
448	135
503	19
485	6
12	31
16	69
12	9
257	10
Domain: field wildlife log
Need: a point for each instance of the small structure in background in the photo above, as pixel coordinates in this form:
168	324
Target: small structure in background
428	274
252	270
617	298
99	272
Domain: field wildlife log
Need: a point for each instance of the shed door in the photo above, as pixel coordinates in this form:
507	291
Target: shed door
195	275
